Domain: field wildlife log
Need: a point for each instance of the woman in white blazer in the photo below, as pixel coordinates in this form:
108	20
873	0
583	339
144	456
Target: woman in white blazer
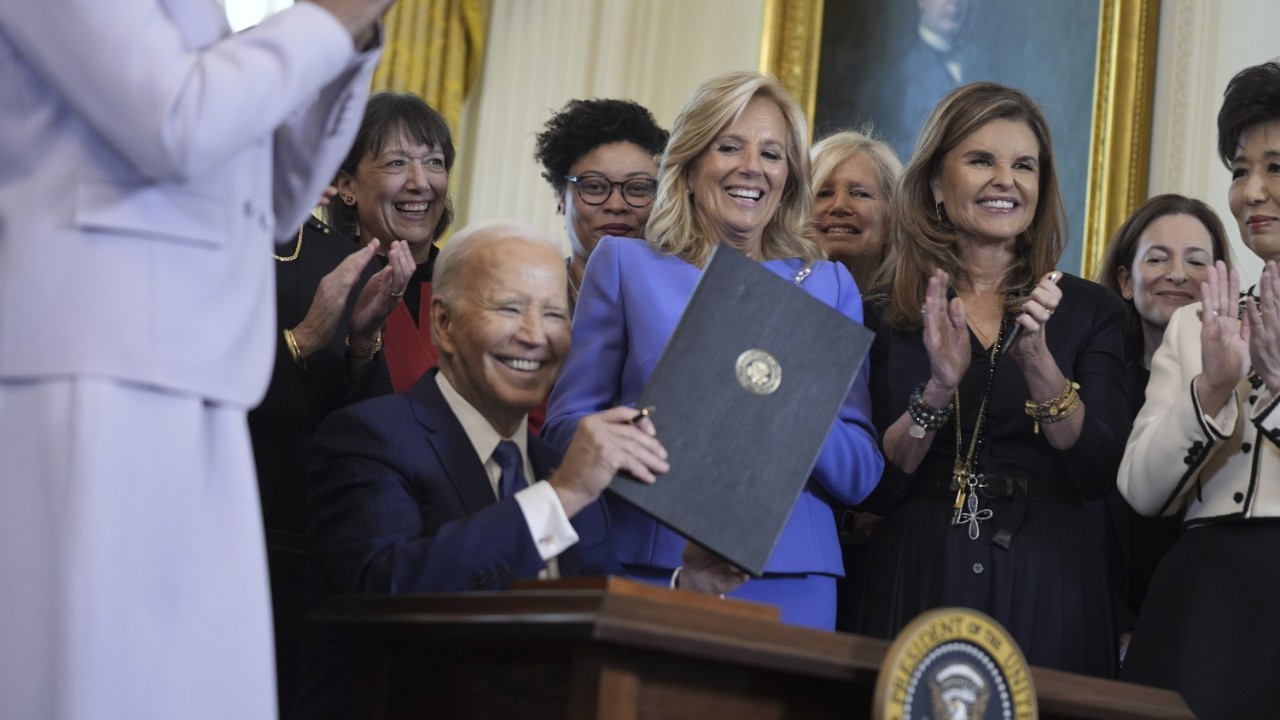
1207	444
150	157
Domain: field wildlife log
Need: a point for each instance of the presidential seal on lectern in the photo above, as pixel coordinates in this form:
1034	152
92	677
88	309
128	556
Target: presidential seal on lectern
954	664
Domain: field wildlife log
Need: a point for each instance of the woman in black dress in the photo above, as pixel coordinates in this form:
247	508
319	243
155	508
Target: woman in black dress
998	388
1155	262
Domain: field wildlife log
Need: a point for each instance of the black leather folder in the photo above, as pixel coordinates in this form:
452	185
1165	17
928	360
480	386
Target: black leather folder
744	396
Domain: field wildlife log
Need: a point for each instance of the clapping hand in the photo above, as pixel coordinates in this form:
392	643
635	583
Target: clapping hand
1040	305
321	322
946	339
1263	324
381	294
1224	339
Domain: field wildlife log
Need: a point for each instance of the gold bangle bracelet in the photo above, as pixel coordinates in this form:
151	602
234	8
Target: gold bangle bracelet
1056	408
291	343
365	352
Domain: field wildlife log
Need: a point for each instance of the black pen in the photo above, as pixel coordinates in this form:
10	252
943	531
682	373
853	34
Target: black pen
1013	335
644	413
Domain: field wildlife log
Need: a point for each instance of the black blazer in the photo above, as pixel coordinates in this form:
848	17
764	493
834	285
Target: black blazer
297	400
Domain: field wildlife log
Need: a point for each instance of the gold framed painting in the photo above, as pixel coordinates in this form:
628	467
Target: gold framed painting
1090	65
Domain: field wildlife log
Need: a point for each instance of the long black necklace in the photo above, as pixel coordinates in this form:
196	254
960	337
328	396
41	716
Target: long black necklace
967	481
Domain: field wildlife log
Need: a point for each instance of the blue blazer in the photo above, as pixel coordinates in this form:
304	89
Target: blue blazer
631	299
400	503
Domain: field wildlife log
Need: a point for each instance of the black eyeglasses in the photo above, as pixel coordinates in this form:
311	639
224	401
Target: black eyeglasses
637	192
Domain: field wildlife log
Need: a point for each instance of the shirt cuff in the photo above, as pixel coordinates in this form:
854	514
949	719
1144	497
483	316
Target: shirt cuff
548	524
1222	425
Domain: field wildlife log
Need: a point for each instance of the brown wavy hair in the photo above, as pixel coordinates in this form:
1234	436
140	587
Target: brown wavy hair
924	239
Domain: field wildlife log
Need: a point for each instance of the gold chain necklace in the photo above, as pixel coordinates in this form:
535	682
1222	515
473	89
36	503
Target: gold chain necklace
296	249
966	508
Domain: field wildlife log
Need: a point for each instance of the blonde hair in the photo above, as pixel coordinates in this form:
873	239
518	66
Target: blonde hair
835	149
923	237
674	226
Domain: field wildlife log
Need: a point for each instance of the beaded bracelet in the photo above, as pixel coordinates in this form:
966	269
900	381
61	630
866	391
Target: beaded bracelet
1057	408
365	352
925	416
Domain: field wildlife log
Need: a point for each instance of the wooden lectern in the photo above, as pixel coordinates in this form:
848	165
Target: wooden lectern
617	650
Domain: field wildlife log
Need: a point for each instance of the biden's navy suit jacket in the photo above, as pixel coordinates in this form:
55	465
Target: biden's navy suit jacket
400	503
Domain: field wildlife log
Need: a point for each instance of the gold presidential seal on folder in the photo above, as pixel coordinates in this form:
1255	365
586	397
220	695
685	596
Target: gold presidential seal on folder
758	371
954	664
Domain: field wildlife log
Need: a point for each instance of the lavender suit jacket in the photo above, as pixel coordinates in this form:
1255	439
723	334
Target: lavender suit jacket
145	173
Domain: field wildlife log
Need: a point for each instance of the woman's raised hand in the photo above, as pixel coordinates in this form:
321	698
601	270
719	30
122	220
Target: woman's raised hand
380	296
1041	304
321	322
1263	322
946	339
1224	339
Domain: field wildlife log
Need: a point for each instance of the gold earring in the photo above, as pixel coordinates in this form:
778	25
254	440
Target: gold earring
937	210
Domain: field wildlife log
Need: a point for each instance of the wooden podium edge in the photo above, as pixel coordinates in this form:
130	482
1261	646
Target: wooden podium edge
624	613
631	588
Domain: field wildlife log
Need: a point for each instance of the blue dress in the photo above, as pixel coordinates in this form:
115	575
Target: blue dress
632	296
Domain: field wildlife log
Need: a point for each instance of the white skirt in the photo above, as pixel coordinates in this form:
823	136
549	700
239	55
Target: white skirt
133	581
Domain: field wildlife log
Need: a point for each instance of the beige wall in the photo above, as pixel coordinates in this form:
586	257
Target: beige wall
543	53
1202	45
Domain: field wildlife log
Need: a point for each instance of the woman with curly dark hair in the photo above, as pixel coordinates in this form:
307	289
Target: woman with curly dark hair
588	150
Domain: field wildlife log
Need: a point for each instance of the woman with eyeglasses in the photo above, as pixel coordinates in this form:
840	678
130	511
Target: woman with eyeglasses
736	170
394	186
600	158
